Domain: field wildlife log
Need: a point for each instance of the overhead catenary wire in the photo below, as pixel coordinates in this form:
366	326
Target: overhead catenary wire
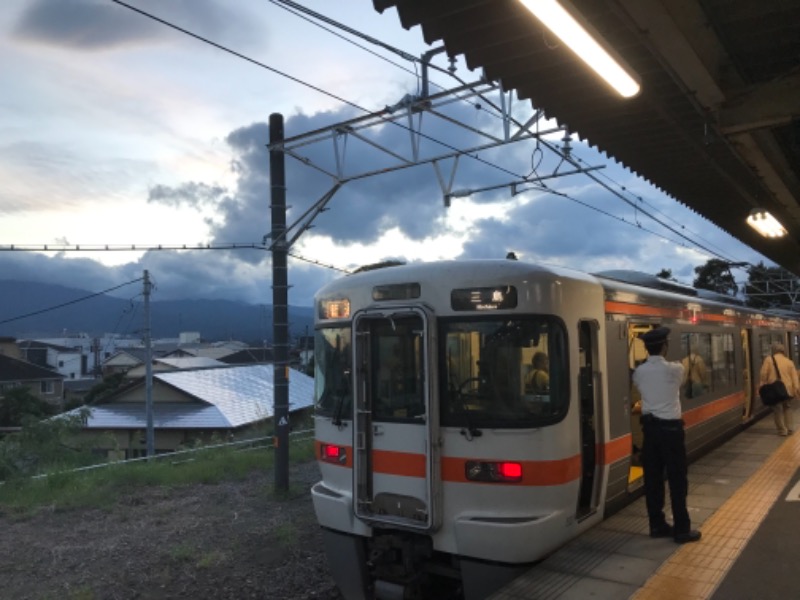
314	87
298	7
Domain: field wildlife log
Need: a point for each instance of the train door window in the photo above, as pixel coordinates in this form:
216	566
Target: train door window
637	354
795	348
333	394
397	369
501	372
696	360
723	365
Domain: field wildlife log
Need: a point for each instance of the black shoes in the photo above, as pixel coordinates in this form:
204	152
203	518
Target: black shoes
662	531
687	537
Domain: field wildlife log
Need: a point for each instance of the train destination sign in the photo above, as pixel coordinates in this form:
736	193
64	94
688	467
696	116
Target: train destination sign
484	298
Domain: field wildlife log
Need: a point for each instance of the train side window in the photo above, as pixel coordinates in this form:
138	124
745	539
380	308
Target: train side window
696	360
333	394
723	365
765	341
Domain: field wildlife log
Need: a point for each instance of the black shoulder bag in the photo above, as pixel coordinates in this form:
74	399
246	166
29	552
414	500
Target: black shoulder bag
775	392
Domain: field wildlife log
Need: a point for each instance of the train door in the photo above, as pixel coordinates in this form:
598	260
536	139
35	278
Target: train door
747	376
392	456
637	354
589	390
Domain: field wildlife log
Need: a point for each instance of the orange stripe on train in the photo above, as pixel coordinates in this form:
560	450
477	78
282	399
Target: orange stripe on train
534	472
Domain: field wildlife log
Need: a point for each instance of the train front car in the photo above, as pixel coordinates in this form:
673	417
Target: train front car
458	412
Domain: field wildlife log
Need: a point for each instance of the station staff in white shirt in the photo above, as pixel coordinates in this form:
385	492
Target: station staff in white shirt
664	446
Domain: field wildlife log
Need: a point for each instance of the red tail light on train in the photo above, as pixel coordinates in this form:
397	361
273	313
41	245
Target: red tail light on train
333	454
493	472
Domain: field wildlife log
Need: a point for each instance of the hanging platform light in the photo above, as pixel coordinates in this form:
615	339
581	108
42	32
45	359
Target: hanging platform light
765	224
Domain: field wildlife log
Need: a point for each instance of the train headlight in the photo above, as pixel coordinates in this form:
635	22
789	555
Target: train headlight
333	454
334	308
493	472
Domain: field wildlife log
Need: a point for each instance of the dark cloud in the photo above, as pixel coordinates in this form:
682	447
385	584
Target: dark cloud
84	24
100	24
192	194
582	226
362	210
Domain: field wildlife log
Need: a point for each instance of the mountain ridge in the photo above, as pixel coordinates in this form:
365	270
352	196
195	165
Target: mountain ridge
30	309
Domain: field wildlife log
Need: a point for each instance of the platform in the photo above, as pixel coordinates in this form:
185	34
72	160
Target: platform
745	498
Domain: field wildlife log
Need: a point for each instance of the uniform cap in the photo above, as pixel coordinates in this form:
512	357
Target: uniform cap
655	336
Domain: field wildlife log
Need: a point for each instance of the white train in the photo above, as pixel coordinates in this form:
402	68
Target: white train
449	459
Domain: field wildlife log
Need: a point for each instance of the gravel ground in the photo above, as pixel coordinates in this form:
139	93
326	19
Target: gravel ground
231	540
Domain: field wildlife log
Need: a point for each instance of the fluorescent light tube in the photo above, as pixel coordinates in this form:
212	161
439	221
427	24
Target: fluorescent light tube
765	224
572	33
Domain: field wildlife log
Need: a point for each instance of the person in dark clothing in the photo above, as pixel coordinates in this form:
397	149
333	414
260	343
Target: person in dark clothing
664	447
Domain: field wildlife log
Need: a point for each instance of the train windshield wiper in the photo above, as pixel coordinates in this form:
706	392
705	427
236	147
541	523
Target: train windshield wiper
470	431
337	410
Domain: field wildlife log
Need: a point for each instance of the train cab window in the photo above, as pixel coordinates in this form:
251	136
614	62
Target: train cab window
500	372
333	394
696	360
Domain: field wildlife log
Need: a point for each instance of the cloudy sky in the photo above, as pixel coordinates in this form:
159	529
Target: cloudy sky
119	130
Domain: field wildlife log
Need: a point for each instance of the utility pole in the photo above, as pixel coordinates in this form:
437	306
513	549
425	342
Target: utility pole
148	369
280	313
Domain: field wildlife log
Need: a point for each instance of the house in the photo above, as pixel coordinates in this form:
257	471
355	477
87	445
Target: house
190	406
70	362
170	363
44	383
248	356
302	352
217	350
123	361
8	346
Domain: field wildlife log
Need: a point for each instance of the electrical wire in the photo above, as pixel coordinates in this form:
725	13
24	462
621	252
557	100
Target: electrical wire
314	87
82	299
297	8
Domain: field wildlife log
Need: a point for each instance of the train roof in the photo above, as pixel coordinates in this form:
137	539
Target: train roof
474	270
659	283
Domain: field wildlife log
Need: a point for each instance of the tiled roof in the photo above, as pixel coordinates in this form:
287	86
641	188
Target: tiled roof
224	398
173	415
12	369
189	362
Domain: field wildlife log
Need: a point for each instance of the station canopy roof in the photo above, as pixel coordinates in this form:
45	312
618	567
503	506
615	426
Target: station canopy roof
717	122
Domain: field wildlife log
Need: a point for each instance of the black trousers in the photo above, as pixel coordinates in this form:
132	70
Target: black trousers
664	452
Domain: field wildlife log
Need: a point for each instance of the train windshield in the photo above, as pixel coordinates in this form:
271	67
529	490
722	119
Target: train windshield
333	394
501	372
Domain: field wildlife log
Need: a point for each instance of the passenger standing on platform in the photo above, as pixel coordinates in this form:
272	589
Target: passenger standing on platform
782	411
664	447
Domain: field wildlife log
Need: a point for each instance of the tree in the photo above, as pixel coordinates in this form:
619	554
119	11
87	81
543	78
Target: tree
105	388
20	404
772	287
716	276
665	274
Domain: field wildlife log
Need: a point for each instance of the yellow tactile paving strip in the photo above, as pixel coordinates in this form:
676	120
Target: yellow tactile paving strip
694	571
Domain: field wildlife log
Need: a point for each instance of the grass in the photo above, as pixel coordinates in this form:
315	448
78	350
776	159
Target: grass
104	486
